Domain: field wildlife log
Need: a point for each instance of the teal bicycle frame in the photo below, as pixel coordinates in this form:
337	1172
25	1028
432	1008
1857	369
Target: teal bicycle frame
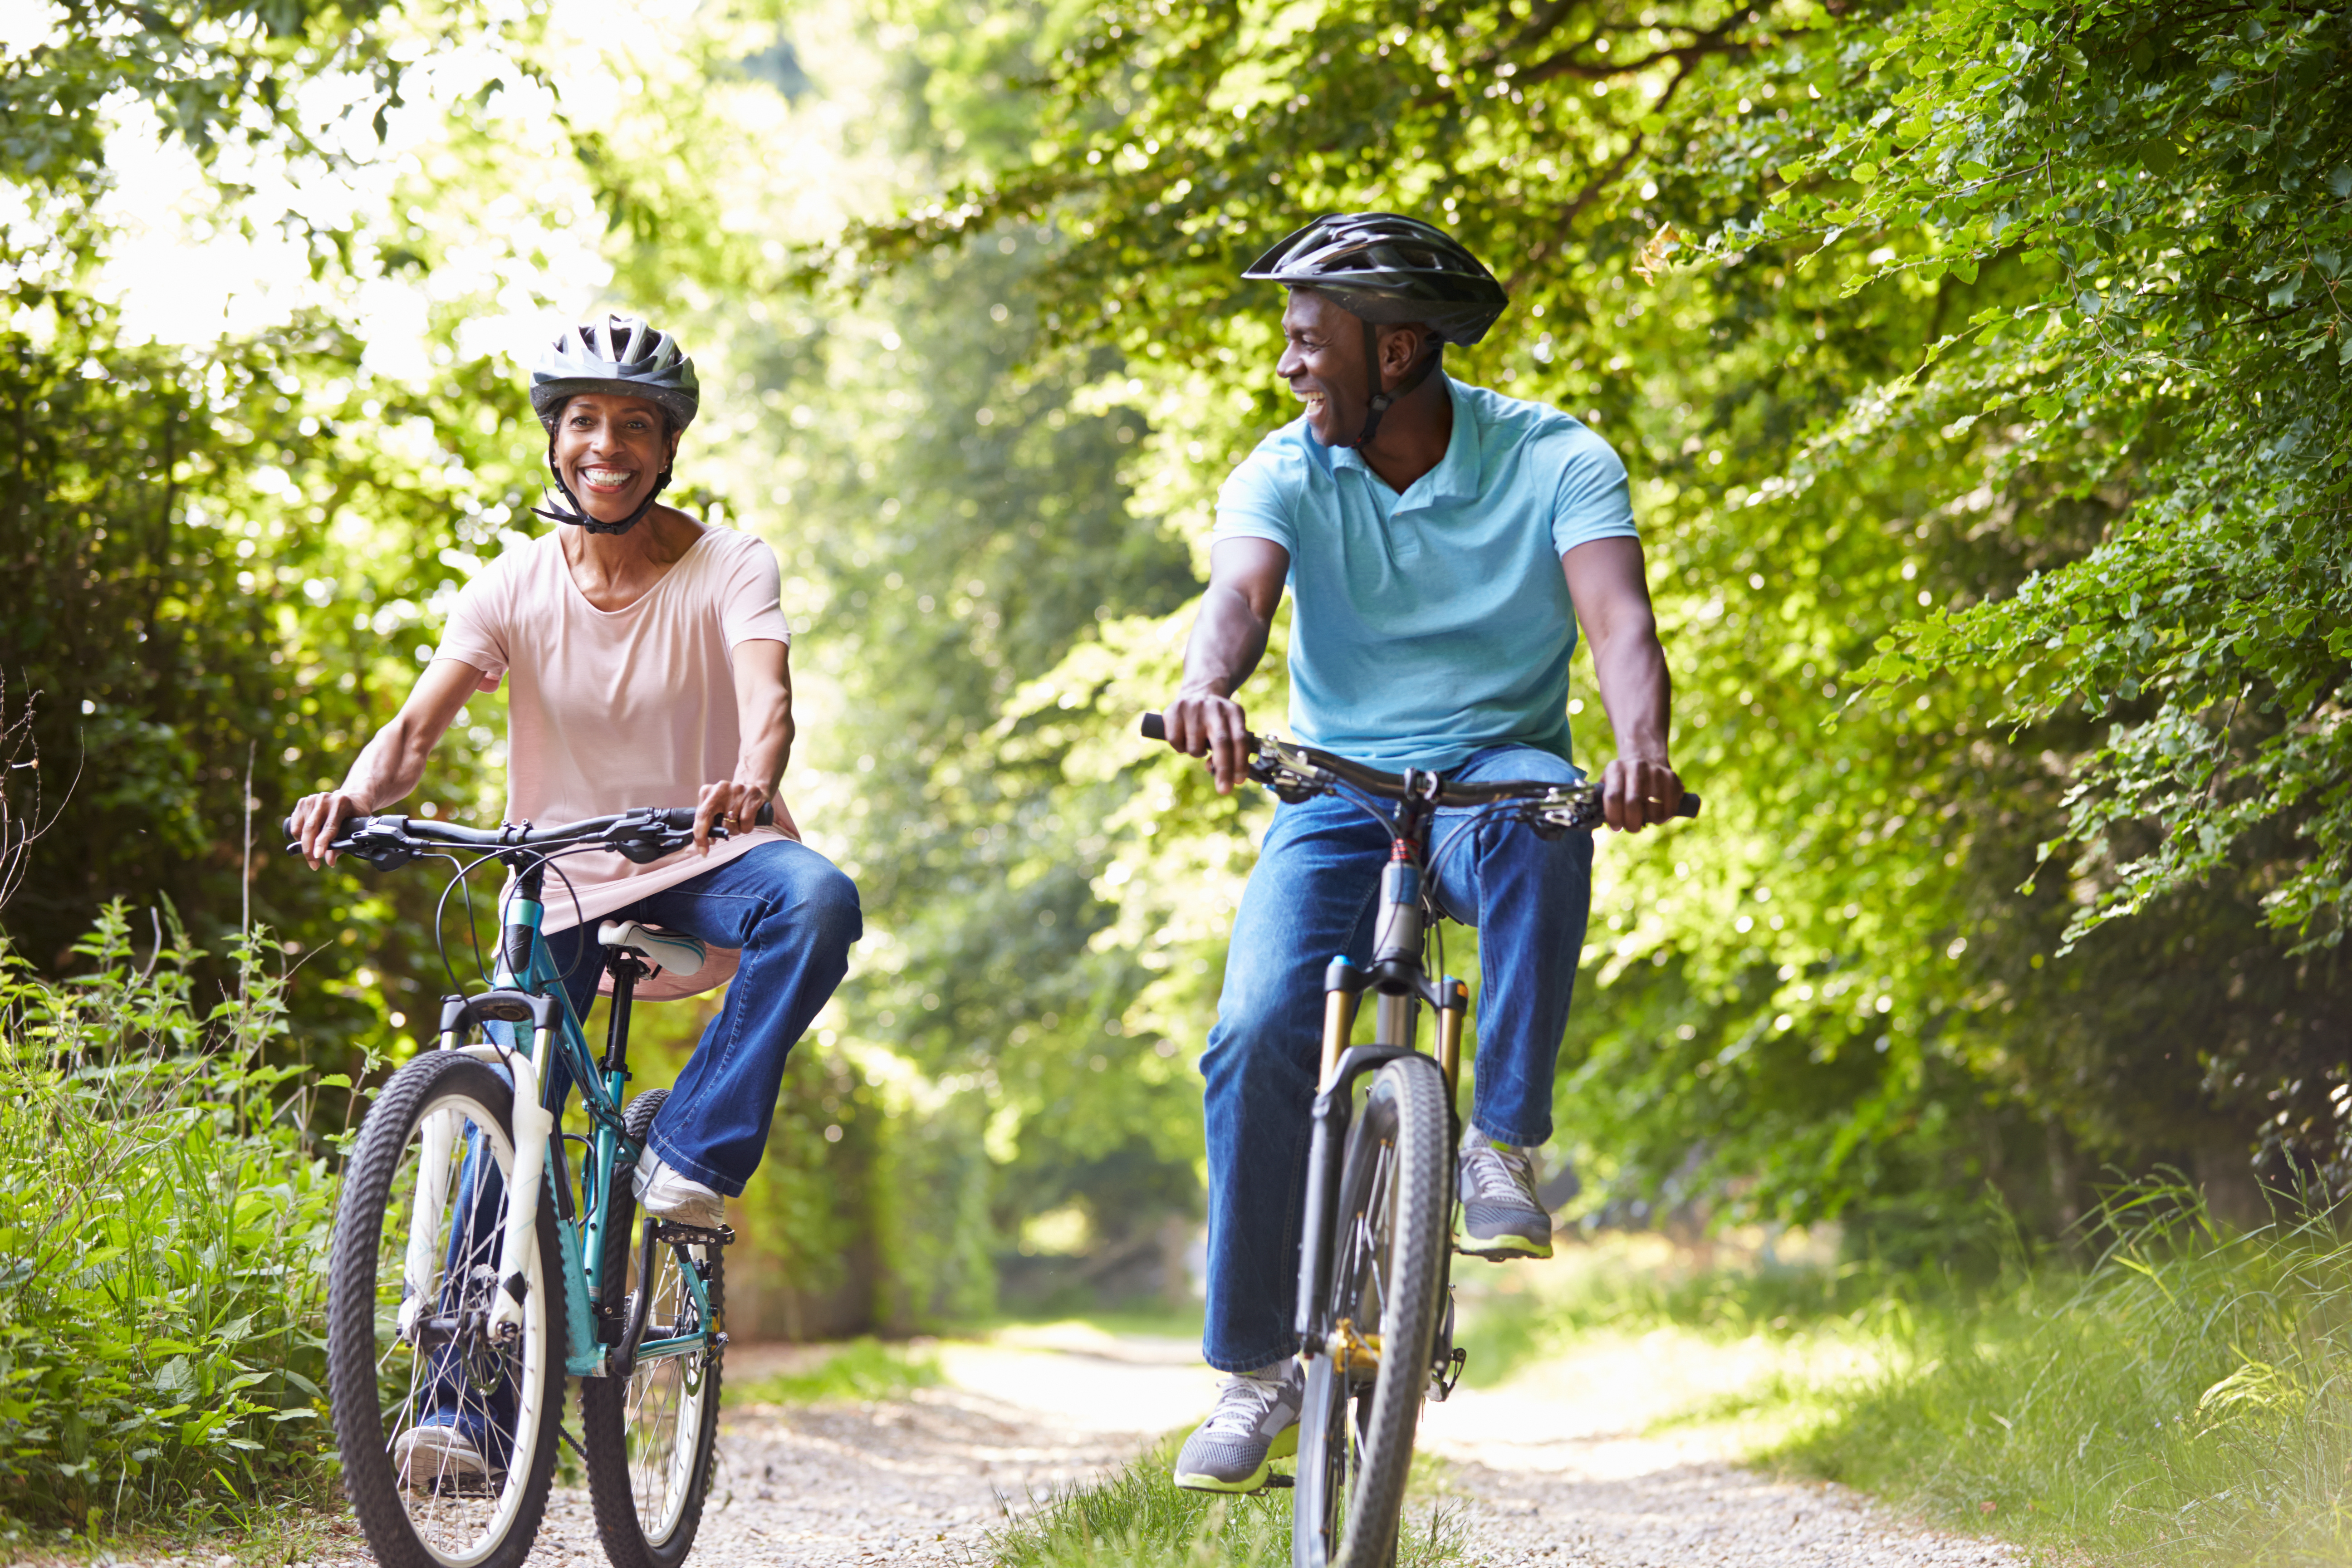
528	990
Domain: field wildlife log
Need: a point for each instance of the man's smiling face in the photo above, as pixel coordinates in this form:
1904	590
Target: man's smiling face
1323	360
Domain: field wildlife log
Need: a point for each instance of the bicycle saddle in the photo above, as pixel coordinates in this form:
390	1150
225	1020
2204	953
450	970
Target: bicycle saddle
680	955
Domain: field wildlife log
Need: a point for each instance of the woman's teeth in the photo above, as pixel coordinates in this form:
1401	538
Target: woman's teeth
607	477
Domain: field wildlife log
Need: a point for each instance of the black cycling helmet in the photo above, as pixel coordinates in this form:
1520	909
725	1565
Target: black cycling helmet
623	356
1388	269
1391	271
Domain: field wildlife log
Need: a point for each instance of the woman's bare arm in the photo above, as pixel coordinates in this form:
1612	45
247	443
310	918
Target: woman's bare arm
764	713
394	763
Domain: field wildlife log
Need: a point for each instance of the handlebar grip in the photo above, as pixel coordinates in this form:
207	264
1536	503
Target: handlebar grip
1688	806
1155	728
681	817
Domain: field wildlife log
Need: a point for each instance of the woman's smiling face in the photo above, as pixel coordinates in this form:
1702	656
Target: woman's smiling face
610	450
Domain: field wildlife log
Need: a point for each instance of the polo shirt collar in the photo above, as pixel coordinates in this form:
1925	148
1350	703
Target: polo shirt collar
1455	477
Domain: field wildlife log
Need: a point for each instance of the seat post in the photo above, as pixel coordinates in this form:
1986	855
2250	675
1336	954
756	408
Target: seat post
627	968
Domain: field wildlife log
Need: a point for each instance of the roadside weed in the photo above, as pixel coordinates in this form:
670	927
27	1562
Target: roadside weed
161	1247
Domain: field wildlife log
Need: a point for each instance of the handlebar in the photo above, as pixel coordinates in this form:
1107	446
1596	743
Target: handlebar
646	833
1274	755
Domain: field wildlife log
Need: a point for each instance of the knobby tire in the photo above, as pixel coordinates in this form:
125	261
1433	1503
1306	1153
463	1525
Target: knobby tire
648	1511
1356	1432
438	1520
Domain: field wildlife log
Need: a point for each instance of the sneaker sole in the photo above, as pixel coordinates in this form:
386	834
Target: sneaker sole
1284	1445
1501	1248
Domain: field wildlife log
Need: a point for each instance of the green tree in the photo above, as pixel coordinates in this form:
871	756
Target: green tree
1832	989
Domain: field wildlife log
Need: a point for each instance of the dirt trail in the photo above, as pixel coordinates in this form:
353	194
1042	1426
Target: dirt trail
1551	1468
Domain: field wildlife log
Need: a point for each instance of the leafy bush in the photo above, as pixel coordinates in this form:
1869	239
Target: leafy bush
162	1242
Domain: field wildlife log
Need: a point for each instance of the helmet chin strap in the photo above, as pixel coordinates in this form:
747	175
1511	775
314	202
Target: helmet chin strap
1379	402
578	516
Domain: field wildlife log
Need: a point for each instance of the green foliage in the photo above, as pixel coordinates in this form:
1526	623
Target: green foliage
864	1369
1833	990
163	1243
2181	1402
210	71
1137	1518
2170	192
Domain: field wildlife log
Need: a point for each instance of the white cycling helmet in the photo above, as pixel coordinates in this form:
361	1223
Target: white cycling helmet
623	356
618	354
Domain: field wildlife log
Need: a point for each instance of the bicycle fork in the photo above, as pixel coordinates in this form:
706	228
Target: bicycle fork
1400	985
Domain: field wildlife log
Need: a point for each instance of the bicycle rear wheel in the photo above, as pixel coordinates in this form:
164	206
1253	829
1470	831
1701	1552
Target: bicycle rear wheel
651	1439
448	1435
1364	1394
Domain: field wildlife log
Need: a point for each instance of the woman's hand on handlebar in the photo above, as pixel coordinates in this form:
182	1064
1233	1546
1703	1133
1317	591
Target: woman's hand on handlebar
318	820
1202	723
737	805
1638	791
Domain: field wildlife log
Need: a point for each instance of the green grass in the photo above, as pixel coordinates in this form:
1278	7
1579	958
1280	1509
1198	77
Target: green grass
2182	1403
2181	1399
864	1369
1139	1518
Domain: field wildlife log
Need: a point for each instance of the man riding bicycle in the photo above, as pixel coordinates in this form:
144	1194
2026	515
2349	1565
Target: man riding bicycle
1443	542
648	666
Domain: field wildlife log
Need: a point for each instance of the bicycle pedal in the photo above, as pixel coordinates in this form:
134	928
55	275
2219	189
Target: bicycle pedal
671	1230
1278	1482
1443	1378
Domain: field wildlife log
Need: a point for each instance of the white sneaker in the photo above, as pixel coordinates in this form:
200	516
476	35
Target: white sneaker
431	1457
663	1192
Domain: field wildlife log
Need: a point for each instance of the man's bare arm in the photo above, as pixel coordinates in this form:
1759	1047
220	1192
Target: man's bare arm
1612	600
394	763
1245	578
763	714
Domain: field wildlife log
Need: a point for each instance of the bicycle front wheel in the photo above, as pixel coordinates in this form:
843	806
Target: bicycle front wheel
446	1428
651	1439
1364	1389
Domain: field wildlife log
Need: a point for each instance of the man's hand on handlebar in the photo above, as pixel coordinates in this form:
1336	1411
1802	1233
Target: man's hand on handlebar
319	818
1638	791
1206	723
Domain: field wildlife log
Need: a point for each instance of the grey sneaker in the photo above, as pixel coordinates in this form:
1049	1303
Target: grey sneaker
1254	1423
665	1193
1501	1216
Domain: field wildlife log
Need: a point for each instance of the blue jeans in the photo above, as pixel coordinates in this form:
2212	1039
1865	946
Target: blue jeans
1310	899
795	916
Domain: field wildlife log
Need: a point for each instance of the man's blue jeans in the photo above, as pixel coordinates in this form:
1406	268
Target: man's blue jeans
1310	899
795	916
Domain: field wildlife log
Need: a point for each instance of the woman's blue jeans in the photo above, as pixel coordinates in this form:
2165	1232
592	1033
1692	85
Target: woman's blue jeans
1309	900
795	916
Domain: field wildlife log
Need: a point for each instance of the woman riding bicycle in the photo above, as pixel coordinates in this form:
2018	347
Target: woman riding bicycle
648	663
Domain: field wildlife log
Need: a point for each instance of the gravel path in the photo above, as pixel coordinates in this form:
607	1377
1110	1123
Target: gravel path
1556	1472
1550	1470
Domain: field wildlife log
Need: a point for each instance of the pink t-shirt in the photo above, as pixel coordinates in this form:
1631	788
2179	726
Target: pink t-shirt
610	710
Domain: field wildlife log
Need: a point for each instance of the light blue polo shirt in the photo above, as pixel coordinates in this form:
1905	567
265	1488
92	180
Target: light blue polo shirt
1435	624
